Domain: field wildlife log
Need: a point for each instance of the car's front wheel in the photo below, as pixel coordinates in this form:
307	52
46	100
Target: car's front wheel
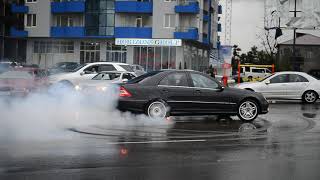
158	109
248	110
310	97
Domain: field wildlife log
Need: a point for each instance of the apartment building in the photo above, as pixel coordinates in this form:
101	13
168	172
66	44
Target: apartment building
157	34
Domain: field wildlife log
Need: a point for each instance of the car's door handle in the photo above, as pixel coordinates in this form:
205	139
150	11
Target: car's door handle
198	91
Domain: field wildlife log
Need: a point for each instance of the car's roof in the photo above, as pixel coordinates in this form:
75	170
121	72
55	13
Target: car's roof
105	62
290	72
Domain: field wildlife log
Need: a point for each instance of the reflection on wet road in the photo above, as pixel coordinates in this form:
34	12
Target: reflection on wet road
284	144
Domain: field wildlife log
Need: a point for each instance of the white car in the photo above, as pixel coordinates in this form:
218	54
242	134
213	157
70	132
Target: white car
101	81
87	72
287	85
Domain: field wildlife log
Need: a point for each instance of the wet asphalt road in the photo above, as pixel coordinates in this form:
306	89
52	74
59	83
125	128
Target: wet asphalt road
285	144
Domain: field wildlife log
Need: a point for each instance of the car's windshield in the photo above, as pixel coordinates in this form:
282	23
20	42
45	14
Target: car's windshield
143	77
78	68
263	79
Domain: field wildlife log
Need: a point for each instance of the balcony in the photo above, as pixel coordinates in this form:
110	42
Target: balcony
186	33
126	6
133	32
67	32
205	38
18	33
190	6
19	9
68	7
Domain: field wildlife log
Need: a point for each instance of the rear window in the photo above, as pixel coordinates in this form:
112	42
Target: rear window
127	68
143	77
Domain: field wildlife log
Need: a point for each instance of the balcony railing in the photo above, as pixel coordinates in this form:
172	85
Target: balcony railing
19	8
68	7
67	32
126	6
133	32
14	32
187	33
187	6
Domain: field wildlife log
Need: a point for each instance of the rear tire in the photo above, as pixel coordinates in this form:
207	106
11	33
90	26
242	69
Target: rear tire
310	97
248	110
158	109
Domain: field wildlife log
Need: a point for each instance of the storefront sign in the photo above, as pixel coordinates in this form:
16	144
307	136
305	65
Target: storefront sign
148	42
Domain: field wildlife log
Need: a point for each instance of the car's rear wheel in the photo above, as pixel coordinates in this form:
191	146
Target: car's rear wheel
248	110
158	109
310	97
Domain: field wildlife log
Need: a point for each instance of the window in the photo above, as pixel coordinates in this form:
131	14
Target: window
175	79
297	78
258	70
169	20
127	68
107	76
201	81
31	1
139	21
107	67
169	0
53	47
128	76
283	78
31	20
64	21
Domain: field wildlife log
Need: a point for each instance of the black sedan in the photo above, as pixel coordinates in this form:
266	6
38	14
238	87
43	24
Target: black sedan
166	93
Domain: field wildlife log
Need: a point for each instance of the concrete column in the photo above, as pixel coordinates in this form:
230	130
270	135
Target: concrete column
103	50
76	52
130	54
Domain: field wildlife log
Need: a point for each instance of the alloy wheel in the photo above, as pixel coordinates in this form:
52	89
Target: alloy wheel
157	110
248	111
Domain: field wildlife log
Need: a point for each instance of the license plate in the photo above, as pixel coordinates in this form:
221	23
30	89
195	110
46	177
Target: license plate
4	93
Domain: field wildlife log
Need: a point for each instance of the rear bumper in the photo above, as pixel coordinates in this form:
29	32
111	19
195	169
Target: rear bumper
132	105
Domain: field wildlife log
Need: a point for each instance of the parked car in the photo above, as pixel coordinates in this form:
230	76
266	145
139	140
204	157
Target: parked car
287	85
160	94
63	67
254	73
138	70
22	81
87	72
101	80
7	65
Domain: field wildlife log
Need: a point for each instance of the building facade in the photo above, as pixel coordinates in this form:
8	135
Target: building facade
12	46
88	31
307	54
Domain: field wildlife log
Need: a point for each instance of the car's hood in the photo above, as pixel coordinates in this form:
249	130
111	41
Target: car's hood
248	85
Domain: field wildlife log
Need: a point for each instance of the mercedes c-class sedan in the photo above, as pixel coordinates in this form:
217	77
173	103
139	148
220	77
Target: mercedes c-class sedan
288	86
160	94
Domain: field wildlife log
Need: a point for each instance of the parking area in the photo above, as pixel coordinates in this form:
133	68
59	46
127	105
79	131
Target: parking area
280	145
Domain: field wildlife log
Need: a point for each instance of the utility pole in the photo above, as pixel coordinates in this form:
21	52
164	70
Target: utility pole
294	58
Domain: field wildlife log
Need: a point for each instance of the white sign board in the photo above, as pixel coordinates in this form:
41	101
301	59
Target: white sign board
148	42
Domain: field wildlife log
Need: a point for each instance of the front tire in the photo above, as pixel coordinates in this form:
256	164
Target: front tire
310	97
158	109
248	110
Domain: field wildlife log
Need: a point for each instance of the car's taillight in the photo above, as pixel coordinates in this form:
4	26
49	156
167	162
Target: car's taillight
124	92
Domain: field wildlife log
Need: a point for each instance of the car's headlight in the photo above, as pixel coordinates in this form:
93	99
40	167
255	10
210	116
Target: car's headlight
78	88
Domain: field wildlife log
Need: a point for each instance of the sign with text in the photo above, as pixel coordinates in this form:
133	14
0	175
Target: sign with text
148	42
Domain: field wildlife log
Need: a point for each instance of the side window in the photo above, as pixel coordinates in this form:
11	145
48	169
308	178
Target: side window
175	79
91	69
203	82
297	78
127	76
106	67
283	78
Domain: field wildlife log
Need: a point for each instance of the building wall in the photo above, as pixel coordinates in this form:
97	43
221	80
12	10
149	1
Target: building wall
42	9
160	8
310	56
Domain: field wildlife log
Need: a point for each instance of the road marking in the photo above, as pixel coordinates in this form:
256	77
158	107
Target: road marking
156	142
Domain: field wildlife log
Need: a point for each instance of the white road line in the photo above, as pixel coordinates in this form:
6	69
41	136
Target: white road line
155	142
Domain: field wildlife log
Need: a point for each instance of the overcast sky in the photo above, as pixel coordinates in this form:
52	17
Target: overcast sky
248	23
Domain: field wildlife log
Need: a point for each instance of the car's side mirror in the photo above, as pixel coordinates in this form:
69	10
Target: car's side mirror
82	73
267	82
125	80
